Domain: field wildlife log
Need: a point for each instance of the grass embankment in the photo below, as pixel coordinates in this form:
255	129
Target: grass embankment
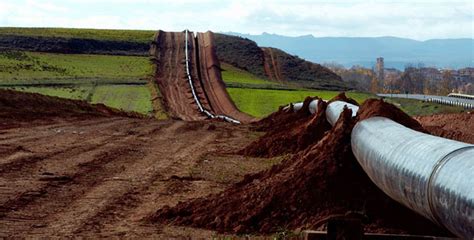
142	36
116	81
26	68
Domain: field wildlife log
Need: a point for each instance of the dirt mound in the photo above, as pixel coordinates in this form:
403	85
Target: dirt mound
283	117
303	192
16	107
458	126
374	107
291	132
342	97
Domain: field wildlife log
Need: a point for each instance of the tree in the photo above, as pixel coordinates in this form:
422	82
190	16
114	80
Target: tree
446	83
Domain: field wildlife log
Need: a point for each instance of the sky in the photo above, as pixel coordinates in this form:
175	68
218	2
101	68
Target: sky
416	19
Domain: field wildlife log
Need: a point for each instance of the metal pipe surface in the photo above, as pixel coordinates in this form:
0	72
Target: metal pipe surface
431	175
334	110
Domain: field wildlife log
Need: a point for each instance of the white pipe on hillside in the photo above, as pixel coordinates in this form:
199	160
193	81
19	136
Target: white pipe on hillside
193	91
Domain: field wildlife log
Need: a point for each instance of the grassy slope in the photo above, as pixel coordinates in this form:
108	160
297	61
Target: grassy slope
90	77
234	75
29	67
143	36
261	102
127	98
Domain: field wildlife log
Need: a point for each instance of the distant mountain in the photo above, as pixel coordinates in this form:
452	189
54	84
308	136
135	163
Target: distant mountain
348	51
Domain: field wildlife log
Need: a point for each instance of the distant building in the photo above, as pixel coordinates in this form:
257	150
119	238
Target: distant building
379	69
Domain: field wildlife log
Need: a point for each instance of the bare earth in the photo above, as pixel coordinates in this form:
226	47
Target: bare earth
102	176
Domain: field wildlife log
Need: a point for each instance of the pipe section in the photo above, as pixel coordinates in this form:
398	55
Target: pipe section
334	110
431	175
313	106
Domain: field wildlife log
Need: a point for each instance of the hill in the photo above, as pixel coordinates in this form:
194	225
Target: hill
239	52
449	53
275	64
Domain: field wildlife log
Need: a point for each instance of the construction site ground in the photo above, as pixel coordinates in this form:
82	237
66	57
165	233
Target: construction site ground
88	175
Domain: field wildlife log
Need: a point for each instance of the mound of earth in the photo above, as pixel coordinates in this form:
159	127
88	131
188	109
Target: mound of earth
302	129
304	191
17	107
456	126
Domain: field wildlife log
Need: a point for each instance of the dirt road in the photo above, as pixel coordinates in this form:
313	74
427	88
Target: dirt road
102	176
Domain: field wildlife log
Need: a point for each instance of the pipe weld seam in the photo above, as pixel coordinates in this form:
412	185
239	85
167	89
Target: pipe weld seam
436	169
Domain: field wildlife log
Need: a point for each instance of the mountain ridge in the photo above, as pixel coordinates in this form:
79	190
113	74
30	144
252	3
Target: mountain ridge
349	51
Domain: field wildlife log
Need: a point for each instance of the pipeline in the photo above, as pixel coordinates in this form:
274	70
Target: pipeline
193	89
451	103
431	175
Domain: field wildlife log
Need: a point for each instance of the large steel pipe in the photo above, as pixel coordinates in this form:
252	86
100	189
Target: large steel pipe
431	175
334	110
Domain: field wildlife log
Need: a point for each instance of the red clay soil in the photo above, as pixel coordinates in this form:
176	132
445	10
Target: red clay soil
271	66
170	74
304	191
168	54
456	126
291	134
379	108
342	97
20	107
283	117
211	78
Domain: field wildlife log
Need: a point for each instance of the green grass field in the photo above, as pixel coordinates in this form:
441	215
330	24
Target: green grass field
124	97
33	68
231	74
143	36
131	98
261	102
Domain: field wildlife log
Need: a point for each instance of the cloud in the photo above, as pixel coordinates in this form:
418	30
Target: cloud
419	19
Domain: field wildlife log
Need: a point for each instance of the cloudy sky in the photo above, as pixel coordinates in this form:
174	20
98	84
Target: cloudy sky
417	19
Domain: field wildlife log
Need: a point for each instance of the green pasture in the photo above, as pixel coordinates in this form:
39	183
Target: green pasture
142	36
131	98
44	68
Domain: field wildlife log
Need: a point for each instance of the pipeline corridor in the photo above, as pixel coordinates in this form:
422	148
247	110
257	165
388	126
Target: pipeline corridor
193	89
431	175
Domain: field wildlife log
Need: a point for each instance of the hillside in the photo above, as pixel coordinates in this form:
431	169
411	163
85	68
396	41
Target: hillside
449	53
275	64
77	41
239	52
